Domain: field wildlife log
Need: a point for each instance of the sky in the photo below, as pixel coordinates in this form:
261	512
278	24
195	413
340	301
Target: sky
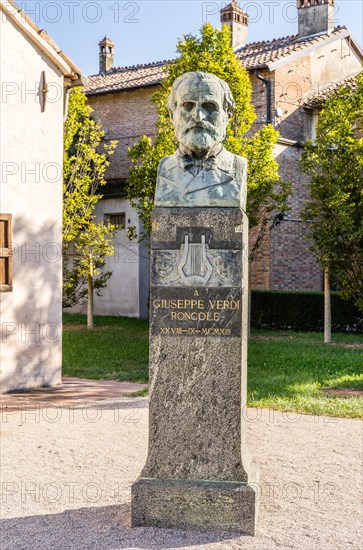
148	30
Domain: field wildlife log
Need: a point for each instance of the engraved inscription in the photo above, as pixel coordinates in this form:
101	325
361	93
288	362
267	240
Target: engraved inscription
196	312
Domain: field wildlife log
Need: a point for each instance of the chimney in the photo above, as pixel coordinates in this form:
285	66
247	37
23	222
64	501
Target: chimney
315	16
107	54
237	20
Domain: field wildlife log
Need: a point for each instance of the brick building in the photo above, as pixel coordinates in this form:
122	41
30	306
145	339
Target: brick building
286	73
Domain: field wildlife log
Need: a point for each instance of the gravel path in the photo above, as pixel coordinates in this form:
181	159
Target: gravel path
66	477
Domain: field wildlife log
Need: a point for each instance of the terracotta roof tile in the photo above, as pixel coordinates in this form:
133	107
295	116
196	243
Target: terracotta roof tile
261	54
125	78
318	99
253	56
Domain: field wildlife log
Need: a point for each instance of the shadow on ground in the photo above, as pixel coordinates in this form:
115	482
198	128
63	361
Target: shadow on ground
106	528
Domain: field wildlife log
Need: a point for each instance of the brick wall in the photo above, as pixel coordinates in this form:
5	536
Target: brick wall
284	260
292	264
260	276
124	116
292	85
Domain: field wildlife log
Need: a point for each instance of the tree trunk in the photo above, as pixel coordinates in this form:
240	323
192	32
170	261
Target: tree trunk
327	307
90	298
249	299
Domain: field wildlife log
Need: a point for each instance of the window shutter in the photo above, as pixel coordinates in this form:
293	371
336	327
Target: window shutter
118	219
6	264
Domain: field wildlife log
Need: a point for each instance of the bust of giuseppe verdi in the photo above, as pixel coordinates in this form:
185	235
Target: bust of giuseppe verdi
201	172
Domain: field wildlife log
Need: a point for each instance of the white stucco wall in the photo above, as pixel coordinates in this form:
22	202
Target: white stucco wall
125	294
333	63
31	141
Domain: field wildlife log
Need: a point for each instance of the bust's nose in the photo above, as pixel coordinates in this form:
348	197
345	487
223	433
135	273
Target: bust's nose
198	114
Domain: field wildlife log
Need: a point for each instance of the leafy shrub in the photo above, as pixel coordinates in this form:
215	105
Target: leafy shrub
302	311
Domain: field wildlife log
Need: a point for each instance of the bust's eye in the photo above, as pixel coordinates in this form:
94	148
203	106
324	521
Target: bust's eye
188	105
210	107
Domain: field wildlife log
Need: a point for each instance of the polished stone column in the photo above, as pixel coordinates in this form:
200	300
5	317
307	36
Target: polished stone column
198	472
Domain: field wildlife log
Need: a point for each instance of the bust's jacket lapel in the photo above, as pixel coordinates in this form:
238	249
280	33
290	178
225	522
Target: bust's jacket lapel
220	176
178	186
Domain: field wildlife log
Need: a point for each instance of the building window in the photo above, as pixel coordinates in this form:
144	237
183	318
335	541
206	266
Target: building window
6	264
314	122
118	219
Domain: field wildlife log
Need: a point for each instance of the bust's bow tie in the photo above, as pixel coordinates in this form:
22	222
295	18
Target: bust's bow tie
187	161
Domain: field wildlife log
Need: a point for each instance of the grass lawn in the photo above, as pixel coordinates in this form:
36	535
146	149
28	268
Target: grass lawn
116	349
289	371
286	371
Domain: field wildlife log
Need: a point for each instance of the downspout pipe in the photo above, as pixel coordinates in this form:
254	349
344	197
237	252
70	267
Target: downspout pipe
70	83
267	83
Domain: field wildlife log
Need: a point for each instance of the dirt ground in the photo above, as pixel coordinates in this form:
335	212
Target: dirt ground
66	475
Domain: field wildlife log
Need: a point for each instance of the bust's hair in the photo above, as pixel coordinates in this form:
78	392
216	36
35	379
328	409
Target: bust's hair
228	101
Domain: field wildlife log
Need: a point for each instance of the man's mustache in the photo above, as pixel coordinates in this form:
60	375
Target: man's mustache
202	125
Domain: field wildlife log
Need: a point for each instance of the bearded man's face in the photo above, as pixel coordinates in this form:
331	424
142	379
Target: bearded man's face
200	120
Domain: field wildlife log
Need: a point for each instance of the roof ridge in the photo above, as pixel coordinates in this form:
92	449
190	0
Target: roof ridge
267	41
334	87
133	67
253	55
288	38
352	77
336	84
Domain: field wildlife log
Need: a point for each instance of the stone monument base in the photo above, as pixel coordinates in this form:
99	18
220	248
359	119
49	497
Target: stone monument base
194	504
198	473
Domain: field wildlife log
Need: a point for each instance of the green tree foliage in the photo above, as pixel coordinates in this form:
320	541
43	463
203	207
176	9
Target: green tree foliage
335	164
85	242
211	53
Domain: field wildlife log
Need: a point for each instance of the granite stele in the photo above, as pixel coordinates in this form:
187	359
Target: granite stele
198	473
